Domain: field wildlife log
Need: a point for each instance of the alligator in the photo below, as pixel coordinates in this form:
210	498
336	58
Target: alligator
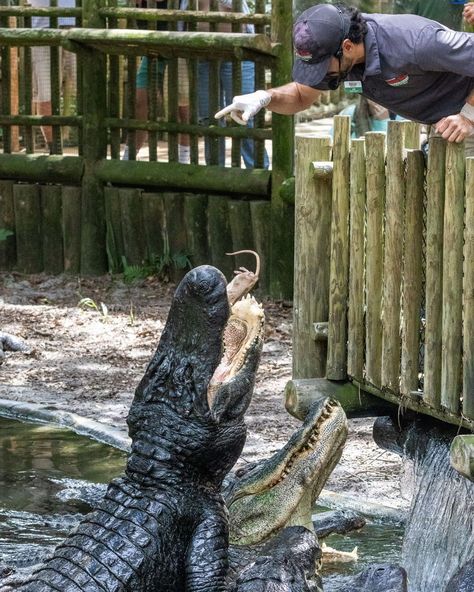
12	343
281	491
289	562
163	525
380	577
463	580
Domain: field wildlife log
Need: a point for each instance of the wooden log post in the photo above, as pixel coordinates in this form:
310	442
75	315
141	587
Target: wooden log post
435	182
27	204
375	170
468	295
219	234
355	342
175	232
153	225
412	271
260	212
71	223
452	278
301	393
392	268
132	226
7	222
313	203
195	221
114	236
94	142
339	262
51	225
241	231
282	215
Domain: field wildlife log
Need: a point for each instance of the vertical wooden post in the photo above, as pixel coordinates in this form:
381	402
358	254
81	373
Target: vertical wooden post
375	170
412	271
435	182
260	214
412	135
27	204
468	329
339	282
71	224
51	226
394	205
313	199
281	282
93	255
7	222
355	344
452	277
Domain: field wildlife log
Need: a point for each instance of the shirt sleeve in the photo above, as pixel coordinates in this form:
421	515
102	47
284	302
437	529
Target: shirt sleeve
440	49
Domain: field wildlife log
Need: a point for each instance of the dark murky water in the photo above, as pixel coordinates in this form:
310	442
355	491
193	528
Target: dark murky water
47	478
377	542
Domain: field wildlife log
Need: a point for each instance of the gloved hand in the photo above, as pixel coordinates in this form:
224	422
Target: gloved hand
244	107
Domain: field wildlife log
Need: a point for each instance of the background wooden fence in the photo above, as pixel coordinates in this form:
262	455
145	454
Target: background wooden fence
102	114
384	276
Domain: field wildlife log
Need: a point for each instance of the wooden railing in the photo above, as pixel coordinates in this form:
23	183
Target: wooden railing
384	274
107	55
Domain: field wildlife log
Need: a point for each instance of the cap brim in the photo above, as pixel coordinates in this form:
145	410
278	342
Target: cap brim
310	74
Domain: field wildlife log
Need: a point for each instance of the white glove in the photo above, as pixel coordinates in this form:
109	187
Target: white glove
244	107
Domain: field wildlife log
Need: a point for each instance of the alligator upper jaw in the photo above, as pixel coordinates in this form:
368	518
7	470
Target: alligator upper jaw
325	424
281	490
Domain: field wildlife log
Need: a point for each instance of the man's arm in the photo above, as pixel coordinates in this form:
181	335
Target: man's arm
455	128
286	100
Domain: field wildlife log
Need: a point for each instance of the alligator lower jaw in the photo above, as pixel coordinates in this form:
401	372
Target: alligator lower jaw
244	327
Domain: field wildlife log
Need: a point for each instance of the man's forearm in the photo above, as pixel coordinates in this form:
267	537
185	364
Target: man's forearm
291	98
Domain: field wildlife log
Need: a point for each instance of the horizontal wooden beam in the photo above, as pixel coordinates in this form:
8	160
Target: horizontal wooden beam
186	128
41	168
166	43
69	120
301	393
185	177
190	16
462	455
415	402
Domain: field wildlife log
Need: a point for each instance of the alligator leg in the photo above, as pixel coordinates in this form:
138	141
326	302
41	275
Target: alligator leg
207	560
11	343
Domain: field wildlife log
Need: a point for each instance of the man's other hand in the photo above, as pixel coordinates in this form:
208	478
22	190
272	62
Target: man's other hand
455	128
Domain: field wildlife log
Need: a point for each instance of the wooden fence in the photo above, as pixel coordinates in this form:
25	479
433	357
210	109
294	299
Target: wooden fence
103	114
384	273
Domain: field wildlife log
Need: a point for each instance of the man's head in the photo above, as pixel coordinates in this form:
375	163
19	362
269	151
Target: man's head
328	41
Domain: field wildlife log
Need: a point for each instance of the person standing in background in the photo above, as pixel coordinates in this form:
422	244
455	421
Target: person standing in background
41	65
225	85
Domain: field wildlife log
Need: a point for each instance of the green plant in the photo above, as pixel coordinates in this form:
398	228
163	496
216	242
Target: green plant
89	303
159	265
5	233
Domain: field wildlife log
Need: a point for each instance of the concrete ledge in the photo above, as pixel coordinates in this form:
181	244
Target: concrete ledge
78	424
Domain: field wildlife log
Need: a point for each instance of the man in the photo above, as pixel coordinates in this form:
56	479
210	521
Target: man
415	67
468	13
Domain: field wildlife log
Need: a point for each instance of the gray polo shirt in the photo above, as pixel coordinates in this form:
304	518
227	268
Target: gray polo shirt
415	67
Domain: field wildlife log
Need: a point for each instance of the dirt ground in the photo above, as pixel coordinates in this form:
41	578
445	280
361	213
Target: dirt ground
87	358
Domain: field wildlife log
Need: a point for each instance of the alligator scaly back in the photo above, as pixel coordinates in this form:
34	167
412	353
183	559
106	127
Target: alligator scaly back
163	525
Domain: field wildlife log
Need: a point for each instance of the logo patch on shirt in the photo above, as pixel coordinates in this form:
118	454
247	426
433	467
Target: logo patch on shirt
399	80
303	55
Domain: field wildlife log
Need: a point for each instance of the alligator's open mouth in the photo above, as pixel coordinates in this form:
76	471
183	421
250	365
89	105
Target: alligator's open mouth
244	328
281	490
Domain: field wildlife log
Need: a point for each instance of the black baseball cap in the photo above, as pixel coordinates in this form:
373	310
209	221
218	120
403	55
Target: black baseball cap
317	36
